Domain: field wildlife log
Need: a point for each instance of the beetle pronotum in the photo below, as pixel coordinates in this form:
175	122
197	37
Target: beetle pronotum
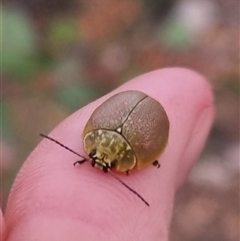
128	131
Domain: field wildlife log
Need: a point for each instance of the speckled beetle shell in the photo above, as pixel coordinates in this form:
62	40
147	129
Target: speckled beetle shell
129	130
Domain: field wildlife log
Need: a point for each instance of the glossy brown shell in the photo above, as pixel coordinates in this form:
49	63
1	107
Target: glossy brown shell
143	122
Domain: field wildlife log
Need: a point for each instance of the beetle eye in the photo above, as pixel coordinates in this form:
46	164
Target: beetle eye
93	153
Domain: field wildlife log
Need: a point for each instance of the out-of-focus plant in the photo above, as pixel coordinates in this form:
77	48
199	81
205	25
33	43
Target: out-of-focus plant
18	49
62	34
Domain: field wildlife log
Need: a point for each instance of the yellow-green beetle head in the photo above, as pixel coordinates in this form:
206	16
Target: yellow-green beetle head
129	130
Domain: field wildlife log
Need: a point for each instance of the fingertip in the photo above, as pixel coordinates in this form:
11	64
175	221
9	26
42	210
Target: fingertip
49	183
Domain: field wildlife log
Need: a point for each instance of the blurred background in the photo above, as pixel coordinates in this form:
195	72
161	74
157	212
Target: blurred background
59	55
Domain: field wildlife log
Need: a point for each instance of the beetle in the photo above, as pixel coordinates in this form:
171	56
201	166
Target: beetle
128	131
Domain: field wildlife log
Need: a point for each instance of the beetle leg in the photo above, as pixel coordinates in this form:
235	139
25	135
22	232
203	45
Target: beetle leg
114	163
79	162
156	164
127	172
105	169
93	162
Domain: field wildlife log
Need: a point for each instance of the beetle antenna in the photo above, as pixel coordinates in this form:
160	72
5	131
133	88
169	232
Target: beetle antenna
129	188
60	144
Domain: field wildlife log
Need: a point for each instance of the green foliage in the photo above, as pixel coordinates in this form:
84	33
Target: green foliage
175	36
62	33
6	128
18	47
73	97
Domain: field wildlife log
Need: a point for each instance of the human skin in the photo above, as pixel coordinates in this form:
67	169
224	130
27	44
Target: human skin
53	200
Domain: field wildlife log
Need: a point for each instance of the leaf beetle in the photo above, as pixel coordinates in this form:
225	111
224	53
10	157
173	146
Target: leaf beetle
128	131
